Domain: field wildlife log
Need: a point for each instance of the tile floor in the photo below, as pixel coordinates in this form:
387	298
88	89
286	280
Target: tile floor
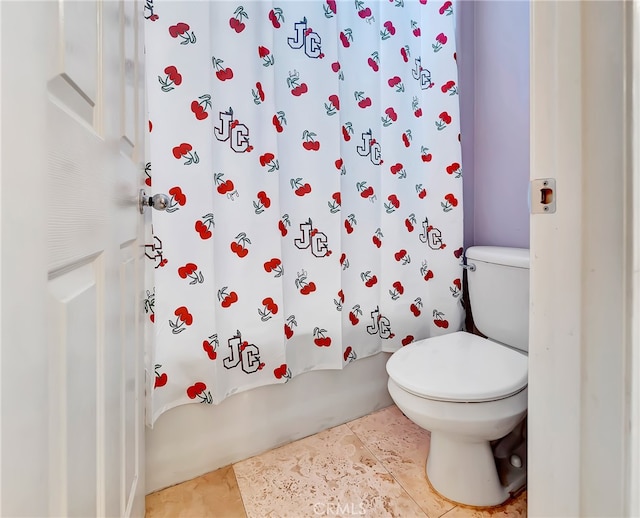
372	466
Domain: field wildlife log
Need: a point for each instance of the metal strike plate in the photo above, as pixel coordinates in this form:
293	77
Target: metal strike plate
543	196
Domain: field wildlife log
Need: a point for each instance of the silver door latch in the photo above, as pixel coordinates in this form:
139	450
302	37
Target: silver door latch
157	201
543	196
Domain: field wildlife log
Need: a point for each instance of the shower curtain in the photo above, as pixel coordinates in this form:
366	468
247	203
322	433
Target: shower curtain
310	150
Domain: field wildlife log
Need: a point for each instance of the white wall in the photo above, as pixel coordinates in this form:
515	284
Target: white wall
465	36
494	98
190	440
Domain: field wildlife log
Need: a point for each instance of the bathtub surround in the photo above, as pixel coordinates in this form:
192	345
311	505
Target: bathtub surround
194	439
311	154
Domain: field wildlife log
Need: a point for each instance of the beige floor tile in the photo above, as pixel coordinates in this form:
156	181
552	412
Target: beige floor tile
373	466
515	508
402	447
327	474
214	495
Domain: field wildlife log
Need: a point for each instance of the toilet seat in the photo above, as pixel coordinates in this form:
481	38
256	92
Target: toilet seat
459	367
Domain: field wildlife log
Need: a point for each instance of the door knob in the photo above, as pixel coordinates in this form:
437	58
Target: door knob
157	201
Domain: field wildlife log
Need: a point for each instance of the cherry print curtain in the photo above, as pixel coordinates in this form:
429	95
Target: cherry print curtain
311	153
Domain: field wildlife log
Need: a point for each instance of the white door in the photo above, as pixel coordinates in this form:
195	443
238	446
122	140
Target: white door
72	371
583	341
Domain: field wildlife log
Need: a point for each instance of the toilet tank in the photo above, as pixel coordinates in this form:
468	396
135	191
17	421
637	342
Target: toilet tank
499	293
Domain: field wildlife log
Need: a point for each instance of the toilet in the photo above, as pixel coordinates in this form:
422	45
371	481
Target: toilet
470	392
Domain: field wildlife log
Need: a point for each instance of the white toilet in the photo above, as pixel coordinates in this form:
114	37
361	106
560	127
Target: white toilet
468	390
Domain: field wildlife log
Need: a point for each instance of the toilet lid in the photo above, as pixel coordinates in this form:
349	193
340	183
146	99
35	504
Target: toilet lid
459	367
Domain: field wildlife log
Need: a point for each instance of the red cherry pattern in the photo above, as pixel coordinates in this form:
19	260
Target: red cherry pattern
161	380
178	196
173	74
183	313
288	332
264	199
203	230
209	349
352	155
450	201
186	270
178	29
266	159
270	305
275	17
238	249
299	90
229	299
181	150
282	372
441	323
199	110
302	189
394	81
173	78
236	22
225	187
365	102
236	25
454	168
282	226
446	8
345	39
320	337
391	113
197	390
272	264
308	288
277	123
224	74
409	224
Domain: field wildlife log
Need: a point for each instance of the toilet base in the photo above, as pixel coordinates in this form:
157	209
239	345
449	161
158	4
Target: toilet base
464	472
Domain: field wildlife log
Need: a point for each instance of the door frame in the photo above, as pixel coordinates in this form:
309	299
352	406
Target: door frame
585	287
633	490
24	367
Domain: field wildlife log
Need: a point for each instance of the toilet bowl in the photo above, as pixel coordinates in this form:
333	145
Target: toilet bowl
468	390
465	409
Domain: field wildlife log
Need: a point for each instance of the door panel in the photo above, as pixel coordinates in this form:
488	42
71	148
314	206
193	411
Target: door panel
76	58
131	410
74	298
78	52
